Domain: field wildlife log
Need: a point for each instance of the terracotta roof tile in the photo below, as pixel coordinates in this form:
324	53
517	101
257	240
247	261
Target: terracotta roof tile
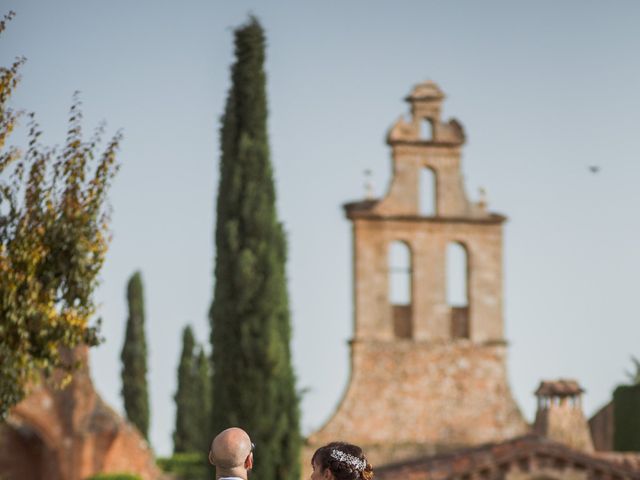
559	388
524	453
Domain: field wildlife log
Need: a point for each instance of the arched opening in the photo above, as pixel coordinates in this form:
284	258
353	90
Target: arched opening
458	289
427	192
426	130
24	454
400	284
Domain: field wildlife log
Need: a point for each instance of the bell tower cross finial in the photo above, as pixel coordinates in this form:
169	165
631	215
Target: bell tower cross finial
368	184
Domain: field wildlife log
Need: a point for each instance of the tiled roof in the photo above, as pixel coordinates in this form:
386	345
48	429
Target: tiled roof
559	388
426	90
524	454
627	459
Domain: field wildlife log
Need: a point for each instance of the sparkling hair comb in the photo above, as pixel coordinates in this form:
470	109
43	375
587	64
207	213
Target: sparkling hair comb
349	459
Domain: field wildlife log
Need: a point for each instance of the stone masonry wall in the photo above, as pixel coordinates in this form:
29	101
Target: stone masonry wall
71	434
407	398
564	422
427	240
429	376
601	427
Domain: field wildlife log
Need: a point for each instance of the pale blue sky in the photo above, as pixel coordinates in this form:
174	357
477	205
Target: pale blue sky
543	88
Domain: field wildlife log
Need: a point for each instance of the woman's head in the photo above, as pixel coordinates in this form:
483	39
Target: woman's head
340	461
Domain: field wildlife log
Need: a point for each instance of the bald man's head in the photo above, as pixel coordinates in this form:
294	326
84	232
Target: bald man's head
231	452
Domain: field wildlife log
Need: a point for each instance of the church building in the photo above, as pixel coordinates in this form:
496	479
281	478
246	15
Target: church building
428	395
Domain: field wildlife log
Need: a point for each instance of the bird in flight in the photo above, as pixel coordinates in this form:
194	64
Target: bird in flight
594	169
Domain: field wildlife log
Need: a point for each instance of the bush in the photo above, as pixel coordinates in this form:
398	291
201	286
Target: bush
114	476
187	466
626	418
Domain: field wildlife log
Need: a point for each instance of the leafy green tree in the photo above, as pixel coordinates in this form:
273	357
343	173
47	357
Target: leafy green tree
253	379
634	375
626	418
53	240
134	359
626	412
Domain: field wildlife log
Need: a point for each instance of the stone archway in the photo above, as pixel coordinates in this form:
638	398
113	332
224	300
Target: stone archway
70	434
25	455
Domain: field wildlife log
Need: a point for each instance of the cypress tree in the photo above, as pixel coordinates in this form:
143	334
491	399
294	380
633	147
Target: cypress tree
202	377
186	398
134	359
254	383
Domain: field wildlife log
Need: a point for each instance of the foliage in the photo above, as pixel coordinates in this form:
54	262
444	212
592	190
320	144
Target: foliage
134	359
254	383
53	241
634	376
626	418
185	397
202	376
187	466
114	476
192	398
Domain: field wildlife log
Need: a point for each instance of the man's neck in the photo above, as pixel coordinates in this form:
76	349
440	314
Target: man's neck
230	477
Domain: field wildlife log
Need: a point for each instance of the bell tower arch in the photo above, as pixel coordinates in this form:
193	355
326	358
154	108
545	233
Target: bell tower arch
427	375
455	219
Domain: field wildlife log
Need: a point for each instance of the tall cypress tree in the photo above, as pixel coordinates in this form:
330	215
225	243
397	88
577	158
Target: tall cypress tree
254	383
202	377
134	359
186	398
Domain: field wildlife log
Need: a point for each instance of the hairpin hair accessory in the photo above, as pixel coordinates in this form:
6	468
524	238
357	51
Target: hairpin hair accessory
349	459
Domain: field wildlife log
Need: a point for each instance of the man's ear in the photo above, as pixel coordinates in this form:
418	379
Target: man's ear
248	462
211	459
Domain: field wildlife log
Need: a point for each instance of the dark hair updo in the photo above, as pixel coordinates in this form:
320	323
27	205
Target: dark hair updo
345	461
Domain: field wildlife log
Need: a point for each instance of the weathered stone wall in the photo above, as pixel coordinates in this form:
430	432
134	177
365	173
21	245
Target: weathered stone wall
547	473
427	240
407	398
444	161
415	387
23	456
71	434
602	428
563	421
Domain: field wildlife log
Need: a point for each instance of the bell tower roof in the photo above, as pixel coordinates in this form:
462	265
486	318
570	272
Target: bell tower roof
425	91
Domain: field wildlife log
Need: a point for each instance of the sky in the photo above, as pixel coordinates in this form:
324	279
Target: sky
544	90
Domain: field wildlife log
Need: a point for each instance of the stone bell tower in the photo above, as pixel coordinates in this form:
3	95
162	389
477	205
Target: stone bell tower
427	375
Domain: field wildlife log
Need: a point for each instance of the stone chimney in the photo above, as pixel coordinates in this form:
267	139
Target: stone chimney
560	417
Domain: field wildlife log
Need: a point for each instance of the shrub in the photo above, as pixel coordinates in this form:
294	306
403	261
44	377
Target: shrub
626	417
114	476
187	466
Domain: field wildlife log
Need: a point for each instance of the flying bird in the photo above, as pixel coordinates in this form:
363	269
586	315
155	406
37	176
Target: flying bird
594	169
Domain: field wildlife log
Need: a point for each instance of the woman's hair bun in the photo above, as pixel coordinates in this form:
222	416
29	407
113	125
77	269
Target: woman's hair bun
345	461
